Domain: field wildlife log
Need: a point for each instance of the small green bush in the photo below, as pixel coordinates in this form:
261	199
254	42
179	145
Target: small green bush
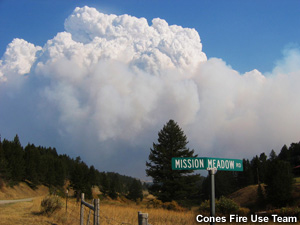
50	204
224	206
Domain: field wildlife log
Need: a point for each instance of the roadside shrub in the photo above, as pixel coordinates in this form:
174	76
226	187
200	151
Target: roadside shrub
154	203
226	206
50	204
158	204
172	206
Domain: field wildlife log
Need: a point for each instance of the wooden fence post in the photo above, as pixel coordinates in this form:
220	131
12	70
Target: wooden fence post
96	211
82	209
94	207
143	218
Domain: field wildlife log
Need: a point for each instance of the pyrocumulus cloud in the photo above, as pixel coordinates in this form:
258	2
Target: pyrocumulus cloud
114	81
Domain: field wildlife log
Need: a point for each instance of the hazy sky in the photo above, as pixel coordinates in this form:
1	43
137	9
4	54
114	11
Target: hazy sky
99	79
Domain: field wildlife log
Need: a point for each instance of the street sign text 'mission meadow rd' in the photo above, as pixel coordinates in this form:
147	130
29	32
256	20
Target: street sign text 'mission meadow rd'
205	163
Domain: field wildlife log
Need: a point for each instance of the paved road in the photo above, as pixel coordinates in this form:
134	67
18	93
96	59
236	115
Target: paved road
14	201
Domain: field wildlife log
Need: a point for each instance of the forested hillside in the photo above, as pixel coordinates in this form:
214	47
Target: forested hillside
43	165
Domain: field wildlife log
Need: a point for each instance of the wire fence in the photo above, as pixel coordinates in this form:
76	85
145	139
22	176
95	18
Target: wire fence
71	216
107	215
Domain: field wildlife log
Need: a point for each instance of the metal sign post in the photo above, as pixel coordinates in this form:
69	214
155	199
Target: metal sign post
212	172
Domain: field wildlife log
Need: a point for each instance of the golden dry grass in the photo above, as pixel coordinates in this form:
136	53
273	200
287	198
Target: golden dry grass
128	214
111	212
116	213
23	213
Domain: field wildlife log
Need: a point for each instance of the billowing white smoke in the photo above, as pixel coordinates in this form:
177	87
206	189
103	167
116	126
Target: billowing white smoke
18	58
119	79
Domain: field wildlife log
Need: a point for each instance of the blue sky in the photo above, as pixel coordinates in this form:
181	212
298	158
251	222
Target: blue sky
105	95
246	34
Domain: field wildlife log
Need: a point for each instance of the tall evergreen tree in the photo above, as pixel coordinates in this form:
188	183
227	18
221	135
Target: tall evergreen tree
171	184
261	200
14	153
255	164
262	167
135	190
284	154
32	157
279	181
104	183
4	172
113	189
92	176
60	173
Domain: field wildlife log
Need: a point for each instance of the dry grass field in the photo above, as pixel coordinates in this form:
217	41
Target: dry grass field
111	212
23	213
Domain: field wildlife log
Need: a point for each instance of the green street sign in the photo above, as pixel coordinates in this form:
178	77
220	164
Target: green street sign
206	163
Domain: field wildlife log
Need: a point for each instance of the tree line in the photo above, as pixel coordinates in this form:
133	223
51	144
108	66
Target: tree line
273	174
43	165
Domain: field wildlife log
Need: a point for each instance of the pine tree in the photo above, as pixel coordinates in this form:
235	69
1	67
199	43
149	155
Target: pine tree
104	184
262	167
14	153
245	177
279	182
92	176
171	184
4	171
31	157
261	200
135	190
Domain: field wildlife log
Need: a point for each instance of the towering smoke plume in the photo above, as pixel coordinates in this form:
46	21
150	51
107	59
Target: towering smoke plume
105	86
